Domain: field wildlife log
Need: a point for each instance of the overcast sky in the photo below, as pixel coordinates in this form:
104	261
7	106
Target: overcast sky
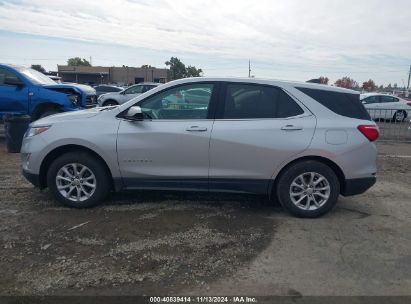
285	39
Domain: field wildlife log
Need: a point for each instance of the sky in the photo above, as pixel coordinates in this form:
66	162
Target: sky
283	39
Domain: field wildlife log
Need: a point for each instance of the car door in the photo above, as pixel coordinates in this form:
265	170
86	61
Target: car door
256	130
169	148
389	105
372	103
13	98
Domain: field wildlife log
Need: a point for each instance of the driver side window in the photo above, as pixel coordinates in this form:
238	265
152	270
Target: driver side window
180	102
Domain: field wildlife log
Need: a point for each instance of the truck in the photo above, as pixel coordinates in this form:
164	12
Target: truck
25	91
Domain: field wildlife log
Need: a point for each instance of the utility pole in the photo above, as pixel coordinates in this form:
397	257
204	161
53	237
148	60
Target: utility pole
409	76
91	62
249	69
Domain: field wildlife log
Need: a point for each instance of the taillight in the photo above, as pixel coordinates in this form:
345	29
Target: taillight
370	131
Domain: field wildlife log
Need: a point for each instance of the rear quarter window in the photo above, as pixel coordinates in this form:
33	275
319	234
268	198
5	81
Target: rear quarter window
344	104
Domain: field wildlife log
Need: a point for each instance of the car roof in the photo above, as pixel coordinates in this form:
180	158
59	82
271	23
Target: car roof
298	84
147	83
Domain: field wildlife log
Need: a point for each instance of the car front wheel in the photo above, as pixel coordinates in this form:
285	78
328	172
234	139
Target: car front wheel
308	189
78	179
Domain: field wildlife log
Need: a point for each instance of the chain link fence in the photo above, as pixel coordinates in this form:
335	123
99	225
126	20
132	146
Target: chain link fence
395	125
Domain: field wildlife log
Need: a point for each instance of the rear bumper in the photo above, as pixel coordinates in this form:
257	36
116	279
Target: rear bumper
357	185
32	178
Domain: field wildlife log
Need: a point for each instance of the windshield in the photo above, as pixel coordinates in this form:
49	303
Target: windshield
36	77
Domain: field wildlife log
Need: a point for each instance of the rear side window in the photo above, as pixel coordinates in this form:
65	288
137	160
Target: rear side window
345	104
388	99
248	101
6	75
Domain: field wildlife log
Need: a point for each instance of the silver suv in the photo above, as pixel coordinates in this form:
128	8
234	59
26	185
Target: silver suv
122	96
304	144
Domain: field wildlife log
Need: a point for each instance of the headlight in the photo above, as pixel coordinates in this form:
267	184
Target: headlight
75	99
36	131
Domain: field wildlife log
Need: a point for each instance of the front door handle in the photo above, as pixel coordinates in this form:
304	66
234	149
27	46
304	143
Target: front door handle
196	129
291	128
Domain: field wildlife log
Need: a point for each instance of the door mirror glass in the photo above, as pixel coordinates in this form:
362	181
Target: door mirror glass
134	113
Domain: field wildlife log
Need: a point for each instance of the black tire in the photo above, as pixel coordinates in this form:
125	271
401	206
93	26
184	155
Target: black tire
110	103
292	172
396	117
102	178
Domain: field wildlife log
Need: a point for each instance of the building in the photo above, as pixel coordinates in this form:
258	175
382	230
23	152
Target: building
111	75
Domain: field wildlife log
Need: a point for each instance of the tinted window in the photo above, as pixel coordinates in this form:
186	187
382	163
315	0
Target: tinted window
6	75
388	99
173	104
244	101
344	104
135	89
371	99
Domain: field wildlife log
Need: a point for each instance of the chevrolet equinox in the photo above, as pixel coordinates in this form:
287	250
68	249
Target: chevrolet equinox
304	144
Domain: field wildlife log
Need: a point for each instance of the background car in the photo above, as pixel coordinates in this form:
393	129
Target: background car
117	98
387	107
103	89
24	91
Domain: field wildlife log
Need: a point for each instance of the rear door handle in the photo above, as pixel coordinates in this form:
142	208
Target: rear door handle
196	129
291	128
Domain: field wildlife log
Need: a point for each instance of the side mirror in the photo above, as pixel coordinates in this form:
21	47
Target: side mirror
134	113
13	81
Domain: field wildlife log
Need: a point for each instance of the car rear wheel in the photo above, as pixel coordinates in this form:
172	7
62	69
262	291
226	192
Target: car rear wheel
400	116
79	180
308	189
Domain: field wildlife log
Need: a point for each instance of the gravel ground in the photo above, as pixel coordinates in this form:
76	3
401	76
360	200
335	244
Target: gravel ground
158	243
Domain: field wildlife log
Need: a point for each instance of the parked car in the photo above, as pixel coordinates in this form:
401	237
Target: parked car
387	107
303	143
103	89
117	98
27	91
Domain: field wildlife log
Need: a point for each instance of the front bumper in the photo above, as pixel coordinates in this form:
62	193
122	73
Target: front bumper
32	178
357	185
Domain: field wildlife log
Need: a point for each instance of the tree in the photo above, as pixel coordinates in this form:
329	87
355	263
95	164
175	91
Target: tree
192	71
147	66
39	68
323	80
346	82
77	61
178	69
369	86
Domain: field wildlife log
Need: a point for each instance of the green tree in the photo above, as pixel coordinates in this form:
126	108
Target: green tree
77	61
192	71
39	68
147	66
179	70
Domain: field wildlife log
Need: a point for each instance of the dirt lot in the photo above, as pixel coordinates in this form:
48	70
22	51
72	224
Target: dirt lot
158	243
